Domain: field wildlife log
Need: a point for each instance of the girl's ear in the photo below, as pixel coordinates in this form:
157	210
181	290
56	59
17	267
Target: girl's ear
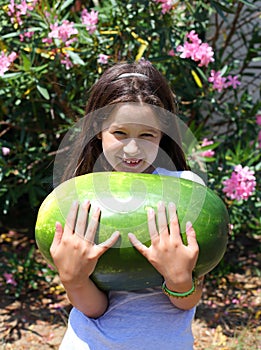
99	136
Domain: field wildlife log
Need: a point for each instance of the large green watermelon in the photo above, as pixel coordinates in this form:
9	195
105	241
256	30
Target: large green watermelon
124	199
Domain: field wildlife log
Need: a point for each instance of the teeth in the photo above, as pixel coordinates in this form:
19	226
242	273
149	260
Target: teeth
131	161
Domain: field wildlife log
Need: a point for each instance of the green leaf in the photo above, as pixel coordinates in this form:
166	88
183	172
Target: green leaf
26	62
223	70
11	75
248	3
221	9
76	58
66	4
43	91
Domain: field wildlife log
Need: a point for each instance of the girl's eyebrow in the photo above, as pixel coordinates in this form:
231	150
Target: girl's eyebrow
122	126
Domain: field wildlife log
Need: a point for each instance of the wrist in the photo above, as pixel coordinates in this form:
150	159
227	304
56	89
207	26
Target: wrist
179	285
77	285
176	294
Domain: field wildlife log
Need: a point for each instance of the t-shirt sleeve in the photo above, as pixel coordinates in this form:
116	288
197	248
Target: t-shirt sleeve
189	175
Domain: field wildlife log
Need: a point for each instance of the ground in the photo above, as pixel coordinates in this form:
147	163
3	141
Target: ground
228	316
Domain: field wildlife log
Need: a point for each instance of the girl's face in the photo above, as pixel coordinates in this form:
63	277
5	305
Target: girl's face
131	137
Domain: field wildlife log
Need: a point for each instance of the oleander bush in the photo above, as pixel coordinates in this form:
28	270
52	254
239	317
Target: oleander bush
51	52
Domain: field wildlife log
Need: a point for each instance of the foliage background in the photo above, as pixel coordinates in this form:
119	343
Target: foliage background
40	98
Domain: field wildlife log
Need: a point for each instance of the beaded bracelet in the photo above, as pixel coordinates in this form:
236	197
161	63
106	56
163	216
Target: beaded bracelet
176	294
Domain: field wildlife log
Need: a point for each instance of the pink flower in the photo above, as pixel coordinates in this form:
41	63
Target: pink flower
196	50
204	54
15	11
103	59
193	37
171	53
63	31
166	5
220	83
6	61
47	40
241	184
232	81
66	61
26	35
208	153
258	119
9	279
90	20
5	151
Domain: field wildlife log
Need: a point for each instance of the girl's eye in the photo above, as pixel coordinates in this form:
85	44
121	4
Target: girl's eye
119	132
147	135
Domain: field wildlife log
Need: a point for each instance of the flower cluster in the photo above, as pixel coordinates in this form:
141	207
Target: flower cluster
103	59
15	11
220	83
90	20
166	5
61	35
241	184
6	61
196	50
62	32
208	153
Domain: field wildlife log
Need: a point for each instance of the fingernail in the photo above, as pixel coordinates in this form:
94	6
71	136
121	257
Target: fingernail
58	226
188	225
150	211
172	205
85	203
161	204
96	210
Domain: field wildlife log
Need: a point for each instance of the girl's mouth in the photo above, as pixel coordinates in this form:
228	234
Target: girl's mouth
132	162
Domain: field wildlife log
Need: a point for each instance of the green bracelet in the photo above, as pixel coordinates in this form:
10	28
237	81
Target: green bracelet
176	294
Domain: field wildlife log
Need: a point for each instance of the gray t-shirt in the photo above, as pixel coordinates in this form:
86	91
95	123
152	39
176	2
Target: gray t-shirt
141	320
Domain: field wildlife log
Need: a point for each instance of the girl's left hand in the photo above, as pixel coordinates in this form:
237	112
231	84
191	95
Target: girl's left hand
174	260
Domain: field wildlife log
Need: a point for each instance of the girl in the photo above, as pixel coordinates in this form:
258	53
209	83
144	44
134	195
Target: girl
131	127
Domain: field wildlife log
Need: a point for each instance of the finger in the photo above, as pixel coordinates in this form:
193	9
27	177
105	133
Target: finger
92	225
82	218
57	237
162	220
191	236
71	219
173	222
152	224
137	244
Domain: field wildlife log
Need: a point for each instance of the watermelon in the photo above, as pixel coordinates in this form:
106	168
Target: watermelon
124	199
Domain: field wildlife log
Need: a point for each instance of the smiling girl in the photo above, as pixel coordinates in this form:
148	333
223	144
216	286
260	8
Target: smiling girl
130	126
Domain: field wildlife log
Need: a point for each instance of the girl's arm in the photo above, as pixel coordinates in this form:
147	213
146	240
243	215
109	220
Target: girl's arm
75	255
174	260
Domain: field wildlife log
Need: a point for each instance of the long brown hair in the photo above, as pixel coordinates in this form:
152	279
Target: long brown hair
148	86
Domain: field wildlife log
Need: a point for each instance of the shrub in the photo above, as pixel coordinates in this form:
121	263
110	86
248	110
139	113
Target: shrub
53	51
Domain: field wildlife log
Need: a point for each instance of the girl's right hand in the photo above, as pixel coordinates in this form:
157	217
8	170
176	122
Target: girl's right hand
73	250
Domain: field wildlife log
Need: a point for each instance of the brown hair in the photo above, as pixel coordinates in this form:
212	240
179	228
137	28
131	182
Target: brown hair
148	86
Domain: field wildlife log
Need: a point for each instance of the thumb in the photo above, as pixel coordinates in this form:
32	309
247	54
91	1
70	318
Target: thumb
57	237
108	243
191	235
138	245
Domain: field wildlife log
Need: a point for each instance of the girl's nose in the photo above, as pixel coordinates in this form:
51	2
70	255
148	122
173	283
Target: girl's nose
131	148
